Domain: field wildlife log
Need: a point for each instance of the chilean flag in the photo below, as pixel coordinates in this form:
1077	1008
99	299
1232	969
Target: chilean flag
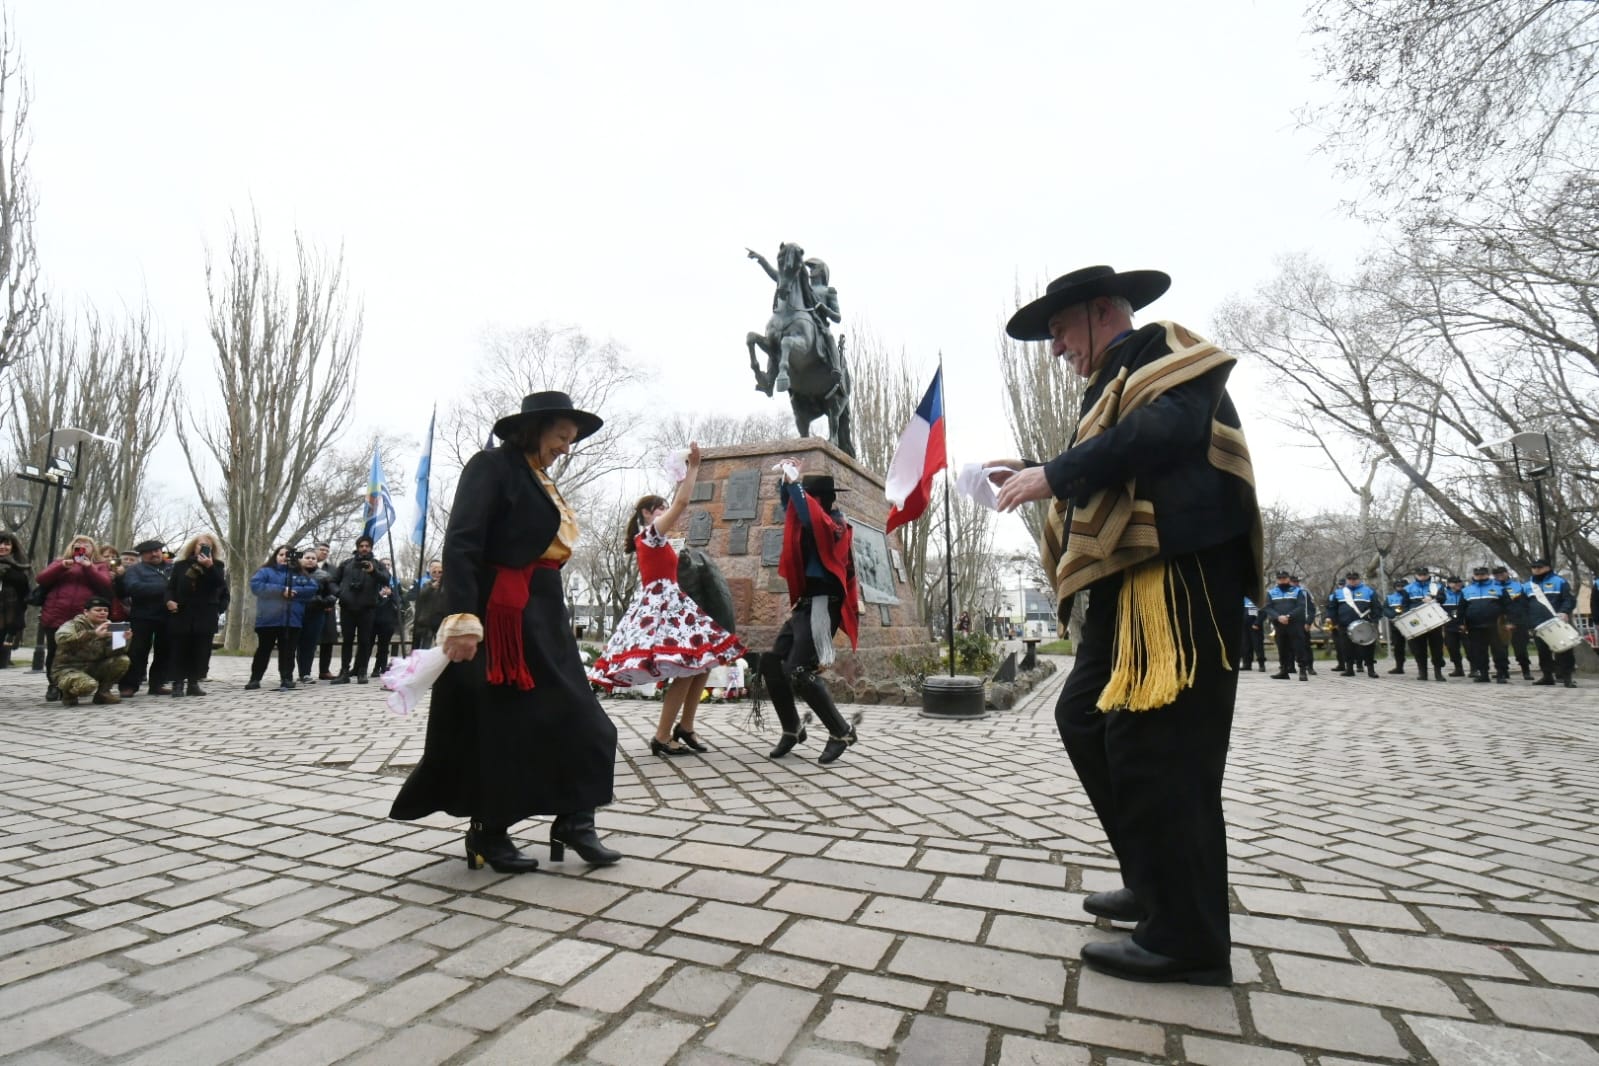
919	456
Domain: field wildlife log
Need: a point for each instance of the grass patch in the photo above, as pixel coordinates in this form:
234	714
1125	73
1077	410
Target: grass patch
1056	647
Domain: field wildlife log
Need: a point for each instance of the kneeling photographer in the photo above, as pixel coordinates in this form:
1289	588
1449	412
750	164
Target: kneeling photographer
359	582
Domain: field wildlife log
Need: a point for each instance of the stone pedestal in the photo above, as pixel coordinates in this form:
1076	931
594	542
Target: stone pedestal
736	517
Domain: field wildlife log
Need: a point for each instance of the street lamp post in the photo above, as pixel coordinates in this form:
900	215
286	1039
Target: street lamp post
1534	456
1383	541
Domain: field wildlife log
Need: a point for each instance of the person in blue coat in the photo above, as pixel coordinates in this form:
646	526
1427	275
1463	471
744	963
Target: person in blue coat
282	591
1254	637
1485	604
1418	593
1548	595
1516	617
1393	608
1357	602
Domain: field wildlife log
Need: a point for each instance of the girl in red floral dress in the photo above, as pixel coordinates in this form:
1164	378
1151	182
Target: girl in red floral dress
665	636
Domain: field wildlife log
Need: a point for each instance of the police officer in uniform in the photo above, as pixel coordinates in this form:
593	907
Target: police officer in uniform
1308	656
1356	602
1420	591
1340	641
1517	616
1288	607
1455	628
1484	605
1561	600
1393	608
1254	637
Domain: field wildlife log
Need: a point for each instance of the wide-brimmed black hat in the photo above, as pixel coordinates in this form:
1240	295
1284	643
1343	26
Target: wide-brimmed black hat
542	405
820	484
1137	287
151	545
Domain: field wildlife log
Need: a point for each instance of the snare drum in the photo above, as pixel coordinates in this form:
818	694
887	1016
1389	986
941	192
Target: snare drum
1362	632
1558	635
1419	621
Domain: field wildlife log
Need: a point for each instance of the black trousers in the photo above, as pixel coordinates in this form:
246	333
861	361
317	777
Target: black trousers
1427	643
310	640
1254	643
790	667
1341	646
1154	777
421	638
1396	646
1519	637
1481	640
382	636
359	633
286	641
1355	655
191	656
1455	640
1560	665
145	637
1293	646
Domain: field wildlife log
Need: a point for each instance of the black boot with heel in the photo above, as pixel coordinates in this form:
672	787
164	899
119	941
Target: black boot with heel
576	831
497	851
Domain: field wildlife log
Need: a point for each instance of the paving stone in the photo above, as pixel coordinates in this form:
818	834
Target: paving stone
171	948
722	885
192	971
696	991
858	876
941	1042
215	1042
1025	1051
701	951
1111	1032
1323	1024
1367	984
816	901
999	1011
1324	908
763	1022
789	971
905	994
310	1000
1281	934
388	928
850	1022
542	1040
1563	967
1579	934
848	945
560	962
1482	925
389	963
1211	1009
1203	1051
37	1026
295	905
302	963
493	953
1457	1043
897	856
328	1041
723	857
417	1045
929	919
655	909
416	995
1540	1008
644	1039
989	969
171	1016
617	982
52	987
1010	898
728	921
59	954
1431	953
490	1006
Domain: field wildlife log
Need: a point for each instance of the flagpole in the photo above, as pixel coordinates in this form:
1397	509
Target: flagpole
423	495
949	568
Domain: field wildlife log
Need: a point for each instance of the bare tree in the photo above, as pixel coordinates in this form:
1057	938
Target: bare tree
1452	97
601	561
19	264
110	378
1042	398
539	358
715	431
285	361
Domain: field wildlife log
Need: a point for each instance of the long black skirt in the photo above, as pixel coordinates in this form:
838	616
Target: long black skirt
498	754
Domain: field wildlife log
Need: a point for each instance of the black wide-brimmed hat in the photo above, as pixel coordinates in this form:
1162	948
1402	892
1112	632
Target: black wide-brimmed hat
1137	287
821	484
542	405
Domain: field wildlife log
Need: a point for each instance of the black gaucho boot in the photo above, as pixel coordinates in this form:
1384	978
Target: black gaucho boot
781	694
494	847
839	733
576	831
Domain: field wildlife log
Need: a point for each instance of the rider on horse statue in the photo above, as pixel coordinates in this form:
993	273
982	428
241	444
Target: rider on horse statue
821	301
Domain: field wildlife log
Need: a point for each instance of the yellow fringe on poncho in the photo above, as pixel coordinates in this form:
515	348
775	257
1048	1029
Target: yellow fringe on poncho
1155	656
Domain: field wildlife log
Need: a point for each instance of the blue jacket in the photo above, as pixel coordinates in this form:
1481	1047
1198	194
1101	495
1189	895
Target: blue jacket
1291	601
1419	592
271	608
1395	604
1485	602
1367	605
1557	590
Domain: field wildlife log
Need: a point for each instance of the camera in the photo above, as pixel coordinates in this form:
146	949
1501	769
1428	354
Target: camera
294	555
205	551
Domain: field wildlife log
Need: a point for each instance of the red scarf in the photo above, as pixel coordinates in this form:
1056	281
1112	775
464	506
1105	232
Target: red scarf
834	541
502	623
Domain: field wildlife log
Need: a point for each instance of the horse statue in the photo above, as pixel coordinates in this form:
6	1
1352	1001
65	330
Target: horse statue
800	357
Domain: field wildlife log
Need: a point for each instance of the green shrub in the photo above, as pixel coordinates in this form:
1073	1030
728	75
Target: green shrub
913	667
974	653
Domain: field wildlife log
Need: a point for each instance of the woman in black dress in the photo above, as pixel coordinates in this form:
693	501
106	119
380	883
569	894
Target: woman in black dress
197	594
514	729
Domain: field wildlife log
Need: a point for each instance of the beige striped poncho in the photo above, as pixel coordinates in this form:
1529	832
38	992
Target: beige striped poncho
1156	652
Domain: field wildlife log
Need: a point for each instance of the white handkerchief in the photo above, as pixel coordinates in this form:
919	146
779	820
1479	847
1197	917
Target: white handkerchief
973	483
675	464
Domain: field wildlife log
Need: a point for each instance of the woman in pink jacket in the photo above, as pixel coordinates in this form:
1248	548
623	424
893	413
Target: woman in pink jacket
71	580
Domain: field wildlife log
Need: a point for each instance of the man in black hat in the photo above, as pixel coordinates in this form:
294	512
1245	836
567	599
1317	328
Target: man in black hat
1418	593
1516	617
1307	661
1549	595
1357	602
1455	628
143	587
1288	606
819	567
1393	607
1484	605
1157	492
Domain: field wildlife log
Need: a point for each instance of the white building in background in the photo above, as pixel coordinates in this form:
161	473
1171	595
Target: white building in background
1031	609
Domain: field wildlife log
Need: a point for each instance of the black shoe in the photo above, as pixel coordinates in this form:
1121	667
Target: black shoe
1348	672
1526	673
657	748
1439	677
305	679
576	831
286	685
51	694
1544	680
1280	677
785	744
178	689
498	852
1569	683
1502	679
252	684
1247	666
1457	672
1397	670
342	679
1479	679
1263	668
1303	676
160	690
1125	959
1371	670
835	747
324	676
689	737
1311	667
360	679
1119	905
195	689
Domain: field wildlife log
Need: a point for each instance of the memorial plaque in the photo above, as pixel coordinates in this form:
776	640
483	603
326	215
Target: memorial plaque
775	583
885	614
699	529
899	565
703	492
777	512
771	546
738	539
742	487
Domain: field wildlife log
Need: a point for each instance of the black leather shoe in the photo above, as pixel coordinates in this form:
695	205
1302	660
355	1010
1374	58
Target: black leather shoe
1280	677
1526	673
1311	667
1502	680
689	737
835	747
252	684
657	748
1119	905
785	744
1303	676
360	679
1544	680
1440	677
576	831
1569	683
1125	959
342	679
195	690
1397	670
1457	672
497	851
1371	670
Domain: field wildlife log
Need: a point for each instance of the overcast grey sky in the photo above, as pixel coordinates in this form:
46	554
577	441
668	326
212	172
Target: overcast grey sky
606	164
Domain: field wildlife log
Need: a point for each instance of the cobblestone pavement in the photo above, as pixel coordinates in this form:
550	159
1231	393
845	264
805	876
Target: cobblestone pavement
1416	879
